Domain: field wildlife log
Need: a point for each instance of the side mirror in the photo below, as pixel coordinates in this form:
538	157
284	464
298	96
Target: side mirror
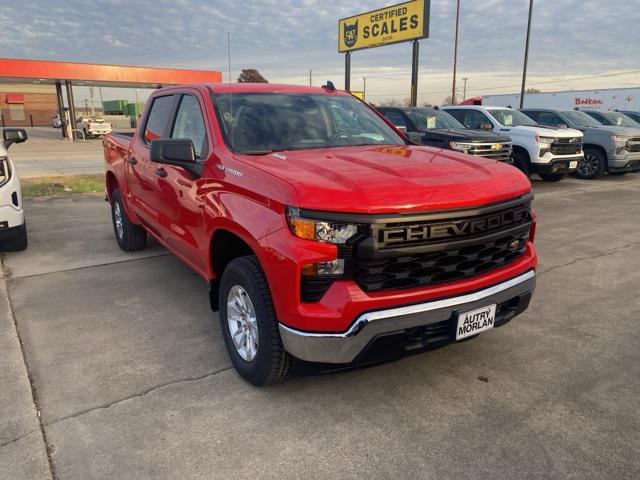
13	135
175	151
486	126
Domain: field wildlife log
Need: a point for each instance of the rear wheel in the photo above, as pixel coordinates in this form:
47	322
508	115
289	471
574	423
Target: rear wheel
249	324
130	237
17	243
551	177
521	160
592	165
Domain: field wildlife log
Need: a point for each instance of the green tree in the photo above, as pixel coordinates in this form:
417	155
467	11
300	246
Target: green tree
251	75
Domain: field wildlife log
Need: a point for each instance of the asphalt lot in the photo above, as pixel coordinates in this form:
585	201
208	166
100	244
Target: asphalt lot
130	378
46	153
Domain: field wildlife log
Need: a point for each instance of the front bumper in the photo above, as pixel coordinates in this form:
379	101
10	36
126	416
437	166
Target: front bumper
511	296
624	162
562	166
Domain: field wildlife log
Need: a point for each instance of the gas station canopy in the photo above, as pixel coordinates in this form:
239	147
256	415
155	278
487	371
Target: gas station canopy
14	70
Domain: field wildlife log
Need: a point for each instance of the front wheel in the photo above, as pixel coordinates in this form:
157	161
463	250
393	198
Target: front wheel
521	160
592	165
551	177
249	325
17	243
130	237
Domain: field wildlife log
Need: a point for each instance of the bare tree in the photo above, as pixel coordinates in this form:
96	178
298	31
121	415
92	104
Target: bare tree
251	75
532	90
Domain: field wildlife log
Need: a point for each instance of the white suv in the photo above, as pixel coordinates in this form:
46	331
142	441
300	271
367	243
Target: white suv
548	151
13	229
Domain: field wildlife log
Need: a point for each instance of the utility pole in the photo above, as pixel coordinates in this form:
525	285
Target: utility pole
310	77
464	94
229	53
526	56
455	55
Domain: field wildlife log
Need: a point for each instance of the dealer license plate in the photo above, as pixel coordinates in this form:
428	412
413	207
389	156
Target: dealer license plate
475	321
573	164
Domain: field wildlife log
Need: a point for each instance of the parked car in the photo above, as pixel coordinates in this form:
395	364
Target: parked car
93	127
436	128
615	119
550	152
633	115
325	235
13	228
606	148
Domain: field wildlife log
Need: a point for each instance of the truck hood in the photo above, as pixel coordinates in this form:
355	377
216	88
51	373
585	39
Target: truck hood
622	131
467	135
542	131
391	179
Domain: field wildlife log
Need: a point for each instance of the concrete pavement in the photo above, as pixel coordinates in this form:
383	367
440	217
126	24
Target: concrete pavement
132	380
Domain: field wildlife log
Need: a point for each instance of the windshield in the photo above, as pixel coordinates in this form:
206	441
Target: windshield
428	119
260	123
511	118
581	119
620	119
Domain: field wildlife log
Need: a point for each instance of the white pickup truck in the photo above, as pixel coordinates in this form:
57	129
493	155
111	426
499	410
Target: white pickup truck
93	127
548	151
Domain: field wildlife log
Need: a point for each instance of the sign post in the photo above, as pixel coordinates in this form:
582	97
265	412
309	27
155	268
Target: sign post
403	22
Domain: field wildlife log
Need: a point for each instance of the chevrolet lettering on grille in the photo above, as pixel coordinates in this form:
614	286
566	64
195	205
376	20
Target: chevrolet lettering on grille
457	228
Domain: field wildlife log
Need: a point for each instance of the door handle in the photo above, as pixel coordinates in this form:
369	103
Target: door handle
161	172
132	161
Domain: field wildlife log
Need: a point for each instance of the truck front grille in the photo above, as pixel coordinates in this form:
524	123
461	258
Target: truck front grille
438	267
495	151
440	247
633	145
567	146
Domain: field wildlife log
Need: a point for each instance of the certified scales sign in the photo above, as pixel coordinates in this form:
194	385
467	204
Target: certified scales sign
397	23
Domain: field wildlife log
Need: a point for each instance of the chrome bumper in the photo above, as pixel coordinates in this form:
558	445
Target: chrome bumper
345	347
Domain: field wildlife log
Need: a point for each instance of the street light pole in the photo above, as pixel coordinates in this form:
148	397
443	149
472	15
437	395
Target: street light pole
455	55
364	89
526	56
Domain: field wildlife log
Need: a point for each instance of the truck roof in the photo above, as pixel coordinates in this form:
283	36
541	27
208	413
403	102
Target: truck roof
258	88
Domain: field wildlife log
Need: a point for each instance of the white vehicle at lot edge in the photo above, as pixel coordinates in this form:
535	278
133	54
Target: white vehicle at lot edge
93	127
548	151
13	229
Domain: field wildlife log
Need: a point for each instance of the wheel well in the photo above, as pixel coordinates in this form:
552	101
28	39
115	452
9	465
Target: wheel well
112	183
225	247
519	149
595	147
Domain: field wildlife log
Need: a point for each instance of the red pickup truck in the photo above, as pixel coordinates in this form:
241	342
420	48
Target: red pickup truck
326	235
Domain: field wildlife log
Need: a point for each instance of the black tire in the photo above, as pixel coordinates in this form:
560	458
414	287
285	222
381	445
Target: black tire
271	363
17	243
592	165
551	177
131	237
521	160
618	174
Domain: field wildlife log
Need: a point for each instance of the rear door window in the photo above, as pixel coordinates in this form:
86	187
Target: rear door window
549	119
470	118
396	118
158	118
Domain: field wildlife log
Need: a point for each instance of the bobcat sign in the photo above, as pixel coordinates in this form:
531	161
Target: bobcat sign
407	21
397	23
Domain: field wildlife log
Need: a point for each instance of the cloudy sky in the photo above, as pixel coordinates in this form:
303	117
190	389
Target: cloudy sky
571	39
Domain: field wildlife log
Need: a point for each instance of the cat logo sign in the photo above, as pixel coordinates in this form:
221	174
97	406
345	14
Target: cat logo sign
398	23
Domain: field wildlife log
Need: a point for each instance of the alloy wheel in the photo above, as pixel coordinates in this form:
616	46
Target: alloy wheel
243	323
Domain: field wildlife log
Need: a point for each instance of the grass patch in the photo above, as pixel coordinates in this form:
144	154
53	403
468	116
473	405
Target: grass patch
63	185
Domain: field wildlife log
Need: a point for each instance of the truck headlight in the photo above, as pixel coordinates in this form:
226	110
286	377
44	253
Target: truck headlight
320	230
545	142
619	140
5	170
461	147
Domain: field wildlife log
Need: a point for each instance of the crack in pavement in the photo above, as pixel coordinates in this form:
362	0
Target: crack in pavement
139	395
9	276
581	259
32	385
17	439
